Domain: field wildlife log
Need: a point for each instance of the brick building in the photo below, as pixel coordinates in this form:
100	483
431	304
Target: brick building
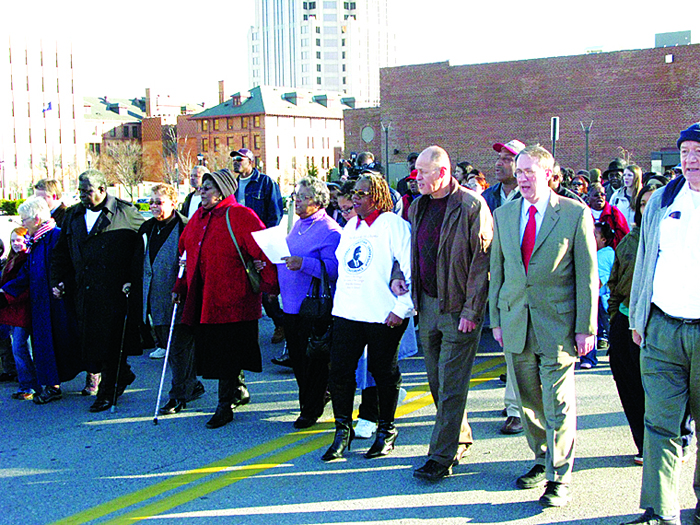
289	131
637	100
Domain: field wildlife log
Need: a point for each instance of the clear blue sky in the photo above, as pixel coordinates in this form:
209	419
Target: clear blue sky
184	49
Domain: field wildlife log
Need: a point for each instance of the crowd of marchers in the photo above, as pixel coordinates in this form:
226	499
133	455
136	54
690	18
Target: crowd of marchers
560	264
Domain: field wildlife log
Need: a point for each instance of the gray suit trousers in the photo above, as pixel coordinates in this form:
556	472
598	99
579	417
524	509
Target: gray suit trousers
547	395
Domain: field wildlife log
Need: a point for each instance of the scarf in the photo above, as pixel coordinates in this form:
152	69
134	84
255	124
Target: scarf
43	229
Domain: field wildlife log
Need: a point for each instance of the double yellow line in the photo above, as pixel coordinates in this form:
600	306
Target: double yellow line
229	470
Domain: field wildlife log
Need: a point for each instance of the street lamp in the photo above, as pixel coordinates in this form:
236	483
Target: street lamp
200	159
587	131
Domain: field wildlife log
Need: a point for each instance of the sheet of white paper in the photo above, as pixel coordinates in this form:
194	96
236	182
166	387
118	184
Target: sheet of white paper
273	241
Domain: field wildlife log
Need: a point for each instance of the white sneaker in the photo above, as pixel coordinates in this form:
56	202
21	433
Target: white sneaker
158	353
402	395
364	429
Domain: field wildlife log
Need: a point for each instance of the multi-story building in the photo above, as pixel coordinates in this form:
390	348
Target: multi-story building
41	111
289	131
634	103
322	45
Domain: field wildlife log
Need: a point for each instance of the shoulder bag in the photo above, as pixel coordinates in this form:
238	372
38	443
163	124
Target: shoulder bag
253	275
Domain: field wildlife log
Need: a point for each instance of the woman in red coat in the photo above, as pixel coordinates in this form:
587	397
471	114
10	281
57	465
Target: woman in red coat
217	296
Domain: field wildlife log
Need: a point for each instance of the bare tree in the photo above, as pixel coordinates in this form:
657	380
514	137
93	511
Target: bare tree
177	162
217	160
123	164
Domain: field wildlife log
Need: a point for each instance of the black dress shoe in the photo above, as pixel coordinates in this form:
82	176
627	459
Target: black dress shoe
533	479
197	392
342	440
513	425
555	495
649	518
221	417
384	442
432	471
100	405
172	407
305	422
121	386
243	400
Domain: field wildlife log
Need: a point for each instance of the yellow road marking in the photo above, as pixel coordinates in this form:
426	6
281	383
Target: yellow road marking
418	397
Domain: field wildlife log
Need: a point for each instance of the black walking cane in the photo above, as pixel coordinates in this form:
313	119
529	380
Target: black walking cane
121	353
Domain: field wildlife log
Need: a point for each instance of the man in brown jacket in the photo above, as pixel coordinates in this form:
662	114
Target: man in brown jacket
451	235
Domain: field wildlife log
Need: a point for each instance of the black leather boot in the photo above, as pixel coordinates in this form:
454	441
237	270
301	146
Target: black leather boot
344	435
384	442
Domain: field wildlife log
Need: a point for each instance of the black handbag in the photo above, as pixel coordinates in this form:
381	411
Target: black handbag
254	277
318	303
319	346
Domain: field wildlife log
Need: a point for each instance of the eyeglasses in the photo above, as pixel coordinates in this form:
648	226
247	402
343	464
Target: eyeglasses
359	193
346	210
300	197
156	203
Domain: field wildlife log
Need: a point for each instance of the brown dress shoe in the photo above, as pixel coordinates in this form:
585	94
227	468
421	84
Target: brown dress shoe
278	335
512	426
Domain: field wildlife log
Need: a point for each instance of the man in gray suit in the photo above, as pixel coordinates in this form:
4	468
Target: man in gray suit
543	304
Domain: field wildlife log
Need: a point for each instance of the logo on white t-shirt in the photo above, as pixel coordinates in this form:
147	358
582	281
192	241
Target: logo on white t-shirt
358	256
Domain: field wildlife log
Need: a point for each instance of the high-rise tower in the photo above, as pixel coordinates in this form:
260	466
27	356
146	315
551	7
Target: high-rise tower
329	45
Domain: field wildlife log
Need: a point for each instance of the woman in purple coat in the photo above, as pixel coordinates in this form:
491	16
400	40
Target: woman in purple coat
312	241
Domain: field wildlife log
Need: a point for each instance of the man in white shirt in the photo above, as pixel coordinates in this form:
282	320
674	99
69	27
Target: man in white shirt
193	200
665	322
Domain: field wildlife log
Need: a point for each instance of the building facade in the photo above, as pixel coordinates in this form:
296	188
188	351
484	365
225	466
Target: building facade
41	111
288	131
637	102
322	45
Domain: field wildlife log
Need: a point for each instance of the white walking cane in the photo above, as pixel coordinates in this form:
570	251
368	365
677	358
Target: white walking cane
167	348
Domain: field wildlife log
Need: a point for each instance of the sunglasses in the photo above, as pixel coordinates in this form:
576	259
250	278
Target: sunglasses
360	193
239	158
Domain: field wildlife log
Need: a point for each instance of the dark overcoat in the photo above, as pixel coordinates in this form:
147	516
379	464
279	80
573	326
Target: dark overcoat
53	321
94	267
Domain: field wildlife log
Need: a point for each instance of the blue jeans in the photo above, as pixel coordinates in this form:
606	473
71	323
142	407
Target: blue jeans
26	373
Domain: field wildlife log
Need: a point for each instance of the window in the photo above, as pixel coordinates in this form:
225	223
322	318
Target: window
205	145
229	142
305	81
346	5
318	42
306	17
318	55
305	68
278	163
135	132
353	5
256	121
304	42
318	80
244	141
304	55
318	67
329	5
343	55
318	29
217	144
256	141
342	43
205	125
216	127
294	163
113	132
126	131
343	67
244	123
344	80
229	123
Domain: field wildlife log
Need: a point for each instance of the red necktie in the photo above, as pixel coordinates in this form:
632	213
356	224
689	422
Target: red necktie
529	237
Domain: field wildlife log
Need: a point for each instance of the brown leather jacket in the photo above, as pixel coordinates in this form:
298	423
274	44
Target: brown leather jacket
463	253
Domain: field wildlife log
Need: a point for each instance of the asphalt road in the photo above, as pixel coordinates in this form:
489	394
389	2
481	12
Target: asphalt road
61	464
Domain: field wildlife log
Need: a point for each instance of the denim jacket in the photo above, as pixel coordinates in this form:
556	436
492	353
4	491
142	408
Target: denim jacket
263	196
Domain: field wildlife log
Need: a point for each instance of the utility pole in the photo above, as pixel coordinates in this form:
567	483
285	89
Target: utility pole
587	131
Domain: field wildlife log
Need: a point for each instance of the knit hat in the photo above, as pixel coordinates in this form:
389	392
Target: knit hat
595	175
224	180
692	133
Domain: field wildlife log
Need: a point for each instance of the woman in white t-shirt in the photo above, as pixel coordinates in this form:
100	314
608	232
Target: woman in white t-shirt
367	313
625	197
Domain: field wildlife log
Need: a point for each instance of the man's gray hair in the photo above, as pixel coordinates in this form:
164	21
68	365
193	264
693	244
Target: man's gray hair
34	207
96	178
319	191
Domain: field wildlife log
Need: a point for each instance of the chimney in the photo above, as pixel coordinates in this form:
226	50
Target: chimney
148	102
221	91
